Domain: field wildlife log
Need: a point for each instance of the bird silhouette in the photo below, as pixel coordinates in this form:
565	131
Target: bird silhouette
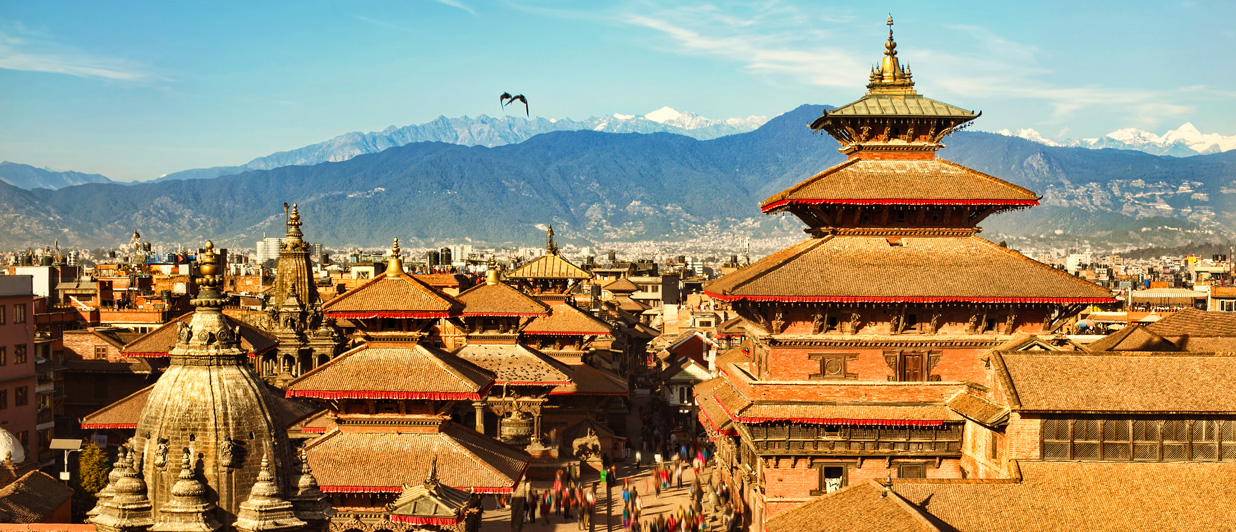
507	98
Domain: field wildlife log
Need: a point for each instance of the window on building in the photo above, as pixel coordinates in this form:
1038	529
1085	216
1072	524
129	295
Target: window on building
917	470
911	366
1145	440
993	445
832	366
19	354
4	399
100	352
832	478
2	307
4	356
24	438
21	396
19	313
682	395
1225	305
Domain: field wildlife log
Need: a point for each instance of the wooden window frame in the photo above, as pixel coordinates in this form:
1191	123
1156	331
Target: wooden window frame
1173	432
19	313
842	365
896	361
904	467
19	354
821	489
21	396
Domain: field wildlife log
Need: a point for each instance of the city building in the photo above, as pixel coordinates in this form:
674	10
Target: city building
18	383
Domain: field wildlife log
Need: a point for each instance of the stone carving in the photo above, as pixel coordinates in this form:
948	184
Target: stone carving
586	445
185	333
231	455
160	454
818	323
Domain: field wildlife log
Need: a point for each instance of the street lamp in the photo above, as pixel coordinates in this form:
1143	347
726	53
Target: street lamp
68	446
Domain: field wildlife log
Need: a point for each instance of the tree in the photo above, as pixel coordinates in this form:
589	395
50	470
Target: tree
92	470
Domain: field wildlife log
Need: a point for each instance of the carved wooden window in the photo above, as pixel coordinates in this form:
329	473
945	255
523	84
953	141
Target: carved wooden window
915	470
912	366
832	477
833	366
993	445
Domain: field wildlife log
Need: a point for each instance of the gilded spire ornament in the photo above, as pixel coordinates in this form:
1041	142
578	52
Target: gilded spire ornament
550	246
890	77
394	265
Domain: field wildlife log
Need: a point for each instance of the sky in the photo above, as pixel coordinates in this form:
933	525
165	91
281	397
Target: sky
134	90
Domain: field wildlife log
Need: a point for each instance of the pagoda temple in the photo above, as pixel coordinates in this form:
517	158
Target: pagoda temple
861	337
209	453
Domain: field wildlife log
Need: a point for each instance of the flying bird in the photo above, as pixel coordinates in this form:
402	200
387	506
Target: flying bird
507	98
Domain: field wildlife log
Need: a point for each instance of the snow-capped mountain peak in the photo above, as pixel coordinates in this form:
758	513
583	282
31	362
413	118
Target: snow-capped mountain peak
663	115
1183	141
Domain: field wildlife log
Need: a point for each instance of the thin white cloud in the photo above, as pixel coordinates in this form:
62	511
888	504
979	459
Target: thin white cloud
34	53
456	4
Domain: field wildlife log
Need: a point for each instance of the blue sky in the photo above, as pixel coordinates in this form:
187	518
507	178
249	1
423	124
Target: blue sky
133	90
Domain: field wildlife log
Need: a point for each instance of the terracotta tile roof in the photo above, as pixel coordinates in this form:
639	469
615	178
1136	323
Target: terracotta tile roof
622	285
1132	338
732	327
935	182
928	269
1192	322
158	342
516	364
565	319
630	305
744	410
383	462
549	266
978	409
587	380
32	498
711	413
737	355
123	414
393	296
379	370
1060	381
1090	496
1167	296
444	280
499	300
858	507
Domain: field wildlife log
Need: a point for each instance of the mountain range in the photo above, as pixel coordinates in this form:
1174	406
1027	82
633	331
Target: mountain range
1184	141
28	177
482	131
605	187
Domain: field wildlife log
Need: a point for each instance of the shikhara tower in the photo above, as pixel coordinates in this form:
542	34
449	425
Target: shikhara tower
867	337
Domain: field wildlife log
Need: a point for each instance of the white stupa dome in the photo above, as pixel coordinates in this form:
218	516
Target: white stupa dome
9	444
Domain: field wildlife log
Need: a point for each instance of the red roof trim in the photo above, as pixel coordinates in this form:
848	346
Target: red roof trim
424	520
309	430
615	394
373	394
387	314
548	333
914	299
504	314
360	489
888	201
532	383
165	353
104	426
708	418
831	421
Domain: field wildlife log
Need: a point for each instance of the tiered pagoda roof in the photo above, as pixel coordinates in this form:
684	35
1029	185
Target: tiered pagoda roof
551	266
516	365
565	319
882	182
394	294
394	370
876	269
499	300
384	462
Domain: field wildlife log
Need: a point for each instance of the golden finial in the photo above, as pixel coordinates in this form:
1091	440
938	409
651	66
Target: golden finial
491	272
550	246
208	266
294	218
394	266
890	77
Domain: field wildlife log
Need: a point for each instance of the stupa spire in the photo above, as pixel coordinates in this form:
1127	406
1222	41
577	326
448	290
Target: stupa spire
188	510
265	510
